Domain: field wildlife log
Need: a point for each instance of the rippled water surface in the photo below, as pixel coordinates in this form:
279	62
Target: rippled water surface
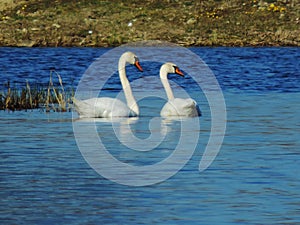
253	180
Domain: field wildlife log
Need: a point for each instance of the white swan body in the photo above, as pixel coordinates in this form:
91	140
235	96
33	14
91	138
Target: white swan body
106	107
180	107
102	108
176	106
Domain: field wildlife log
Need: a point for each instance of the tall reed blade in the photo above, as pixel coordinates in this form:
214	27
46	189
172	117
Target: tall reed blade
8	96
29	93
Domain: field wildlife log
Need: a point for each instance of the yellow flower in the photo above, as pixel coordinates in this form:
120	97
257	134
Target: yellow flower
282	9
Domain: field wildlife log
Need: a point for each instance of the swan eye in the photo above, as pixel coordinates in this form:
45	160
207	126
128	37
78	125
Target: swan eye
136	59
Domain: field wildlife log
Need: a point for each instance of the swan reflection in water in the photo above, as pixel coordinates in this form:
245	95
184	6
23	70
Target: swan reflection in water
140	133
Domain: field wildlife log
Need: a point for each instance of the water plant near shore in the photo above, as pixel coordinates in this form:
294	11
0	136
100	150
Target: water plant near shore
47	98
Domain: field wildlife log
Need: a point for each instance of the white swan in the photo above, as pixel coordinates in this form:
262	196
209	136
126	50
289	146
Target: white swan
106	107
176	106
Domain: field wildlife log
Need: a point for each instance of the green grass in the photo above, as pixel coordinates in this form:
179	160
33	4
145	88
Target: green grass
188	23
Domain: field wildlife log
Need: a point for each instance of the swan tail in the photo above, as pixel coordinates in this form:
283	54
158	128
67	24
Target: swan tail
193	108
78	105
81	107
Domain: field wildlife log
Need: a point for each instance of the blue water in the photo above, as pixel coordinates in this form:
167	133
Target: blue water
253	180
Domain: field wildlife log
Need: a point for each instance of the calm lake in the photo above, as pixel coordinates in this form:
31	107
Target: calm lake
254	178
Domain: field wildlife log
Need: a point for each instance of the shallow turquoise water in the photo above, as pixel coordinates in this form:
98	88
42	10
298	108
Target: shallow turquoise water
253	180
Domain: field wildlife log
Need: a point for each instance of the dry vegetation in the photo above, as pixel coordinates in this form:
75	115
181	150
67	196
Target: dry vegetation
112	23
51	98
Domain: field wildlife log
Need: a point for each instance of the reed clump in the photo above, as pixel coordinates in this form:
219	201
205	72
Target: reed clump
47	98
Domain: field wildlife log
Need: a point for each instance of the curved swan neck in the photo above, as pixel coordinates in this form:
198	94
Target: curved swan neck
131	103
164	79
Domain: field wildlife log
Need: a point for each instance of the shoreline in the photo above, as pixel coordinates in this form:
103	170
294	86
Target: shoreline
109	24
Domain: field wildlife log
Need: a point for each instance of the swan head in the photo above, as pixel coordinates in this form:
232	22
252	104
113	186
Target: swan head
171	68
131	58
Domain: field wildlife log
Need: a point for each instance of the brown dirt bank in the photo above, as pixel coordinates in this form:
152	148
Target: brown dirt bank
102	23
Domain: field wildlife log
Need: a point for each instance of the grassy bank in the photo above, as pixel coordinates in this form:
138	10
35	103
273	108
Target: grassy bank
112	23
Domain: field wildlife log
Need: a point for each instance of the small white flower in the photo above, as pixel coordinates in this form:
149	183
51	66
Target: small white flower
90	31
130	24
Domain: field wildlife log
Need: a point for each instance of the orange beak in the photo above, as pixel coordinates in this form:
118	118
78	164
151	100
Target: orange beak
137	64
178	71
